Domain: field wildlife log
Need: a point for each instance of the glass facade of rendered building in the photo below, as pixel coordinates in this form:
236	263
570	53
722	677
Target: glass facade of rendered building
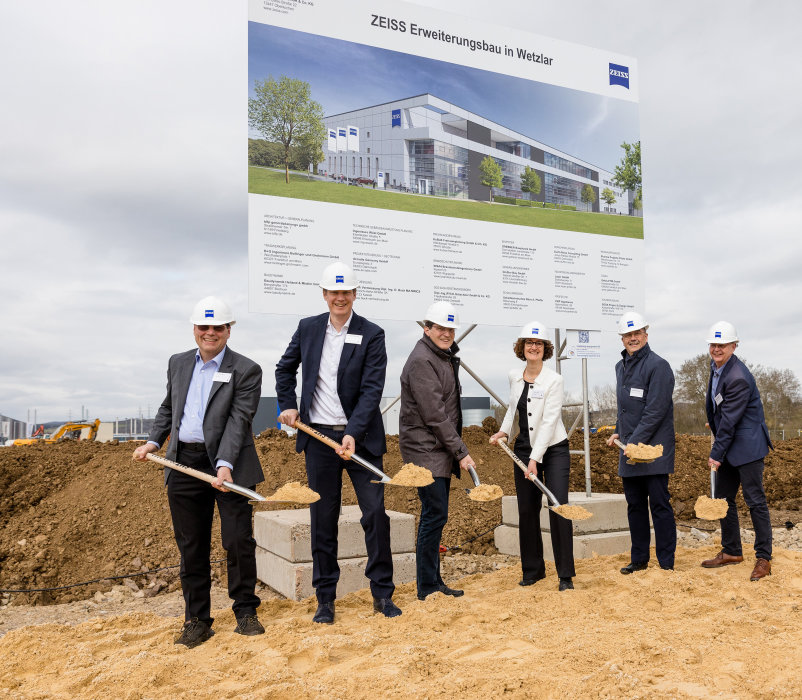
438	168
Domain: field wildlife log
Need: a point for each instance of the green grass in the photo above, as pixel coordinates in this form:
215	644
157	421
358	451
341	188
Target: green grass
264	181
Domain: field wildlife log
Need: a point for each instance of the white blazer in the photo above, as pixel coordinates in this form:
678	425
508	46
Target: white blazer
545	401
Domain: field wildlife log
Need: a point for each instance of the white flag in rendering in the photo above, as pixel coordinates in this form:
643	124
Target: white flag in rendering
342	139
353	138
332	145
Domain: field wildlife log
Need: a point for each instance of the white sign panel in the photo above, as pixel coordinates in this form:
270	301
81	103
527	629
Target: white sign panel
476	165
581	344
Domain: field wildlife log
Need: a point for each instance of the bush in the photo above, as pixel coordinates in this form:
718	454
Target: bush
523	202
504	200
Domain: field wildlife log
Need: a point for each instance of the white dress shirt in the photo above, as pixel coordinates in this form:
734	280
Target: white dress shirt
326	407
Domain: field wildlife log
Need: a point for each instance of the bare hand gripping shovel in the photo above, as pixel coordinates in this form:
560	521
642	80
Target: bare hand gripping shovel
383	478
236	488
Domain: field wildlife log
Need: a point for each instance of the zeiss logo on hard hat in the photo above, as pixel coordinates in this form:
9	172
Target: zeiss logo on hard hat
451	318
535	331
619	75
339	279
209	313
717	334
630	324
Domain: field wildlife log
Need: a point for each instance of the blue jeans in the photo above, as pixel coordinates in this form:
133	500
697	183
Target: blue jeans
433	518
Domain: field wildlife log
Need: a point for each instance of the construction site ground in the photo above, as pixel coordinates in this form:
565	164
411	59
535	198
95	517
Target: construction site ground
80	511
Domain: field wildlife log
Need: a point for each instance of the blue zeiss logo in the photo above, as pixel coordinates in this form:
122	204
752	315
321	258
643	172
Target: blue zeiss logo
352	132
451	318
332	134
396	117
619	75
717	334
208	313
342	132
630	324
535	331
339	279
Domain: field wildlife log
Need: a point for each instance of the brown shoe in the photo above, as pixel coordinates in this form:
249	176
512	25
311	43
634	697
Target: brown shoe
721	559
762	568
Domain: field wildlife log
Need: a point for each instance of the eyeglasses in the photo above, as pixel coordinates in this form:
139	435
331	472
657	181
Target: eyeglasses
216	329
443	329
530	342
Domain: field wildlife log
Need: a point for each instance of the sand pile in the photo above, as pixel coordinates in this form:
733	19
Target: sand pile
74	511
710	508
295	492
643	452
412	475
485	492
690	633
573	512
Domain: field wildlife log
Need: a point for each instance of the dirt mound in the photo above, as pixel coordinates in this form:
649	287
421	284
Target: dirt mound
78	511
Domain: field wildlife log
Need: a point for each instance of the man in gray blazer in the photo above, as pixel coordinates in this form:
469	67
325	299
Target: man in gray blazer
212	396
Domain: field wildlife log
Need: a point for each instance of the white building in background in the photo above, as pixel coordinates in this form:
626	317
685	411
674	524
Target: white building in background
429	146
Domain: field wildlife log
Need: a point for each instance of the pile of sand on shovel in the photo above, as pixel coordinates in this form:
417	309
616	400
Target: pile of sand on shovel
412	475
295	493
642	451
710	508
573	512
485	492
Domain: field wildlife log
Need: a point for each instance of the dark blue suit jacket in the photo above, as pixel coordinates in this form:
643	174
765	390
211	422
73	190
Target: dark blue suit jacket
738	425
360	378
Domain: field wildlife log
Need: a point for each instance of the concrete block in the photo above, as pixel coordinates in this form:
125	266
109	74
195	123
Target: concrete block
287	533
609	512
294	579
602	543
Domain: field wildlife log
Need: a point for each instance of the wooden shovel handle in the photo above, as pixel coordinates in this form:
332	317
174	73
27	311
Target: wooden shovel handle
320	436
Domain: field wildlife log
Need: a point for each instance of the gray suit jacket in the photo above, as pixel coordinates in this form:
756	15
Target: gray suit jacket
227	423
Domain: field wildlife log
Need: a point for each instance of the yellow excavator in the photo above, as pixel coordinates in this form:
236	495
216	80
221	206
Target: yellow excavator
68	431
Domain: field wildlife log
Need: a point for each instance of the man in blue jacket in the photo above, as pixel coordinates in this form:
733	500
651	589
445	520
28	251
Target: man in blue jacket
741	441
344	363
644	389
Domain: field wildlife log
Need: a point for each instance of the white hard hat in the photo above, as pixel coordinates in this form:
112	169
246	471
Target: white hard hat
534	329
338	276
443	314
212	311
722	332
631	321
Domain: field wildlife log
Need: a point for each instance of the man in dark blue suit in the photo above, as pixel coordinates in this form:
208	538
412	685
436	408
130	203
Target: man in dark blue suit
741	441
344	363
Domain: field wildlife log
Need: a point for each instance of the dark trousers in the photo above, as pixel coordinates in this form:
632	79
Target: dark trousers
433	518
553	472
645	493
324	469
750	476
192	509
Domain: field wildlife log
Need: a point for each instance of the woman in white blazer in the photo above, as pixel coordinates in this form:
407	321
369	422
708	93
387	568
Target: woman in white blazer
536	396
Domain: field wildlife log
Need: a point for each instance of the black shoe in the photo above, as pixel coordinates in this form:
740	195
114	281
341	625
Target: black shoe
566	584
324	613
386	606
634	566
194	632
249	625
530	581
666	568
445	590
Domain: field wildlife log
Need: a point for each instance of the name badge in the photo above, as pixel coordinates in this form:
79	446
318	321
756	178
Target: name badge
536	393
353	338
224	377
637	393
718	399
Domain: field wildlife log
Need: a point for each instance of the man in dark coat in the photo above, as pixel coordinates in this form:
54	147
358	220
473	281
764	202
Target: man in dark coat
344	364
741	442
429	435
644	389
212	397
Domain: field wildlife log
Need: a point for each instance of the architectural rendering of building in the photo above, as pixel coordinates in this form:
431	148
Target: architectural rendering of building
429	146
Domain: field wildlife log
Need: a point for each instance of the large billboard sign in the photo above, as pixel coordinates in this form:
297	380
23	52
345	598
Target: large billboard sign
443	159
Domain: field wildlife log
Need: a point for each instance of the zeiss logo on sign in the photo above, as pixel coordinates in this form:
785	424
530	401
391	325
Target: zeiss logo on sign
209	313
342	132
451	318
339	279
352	131
396	117
332	134
619	75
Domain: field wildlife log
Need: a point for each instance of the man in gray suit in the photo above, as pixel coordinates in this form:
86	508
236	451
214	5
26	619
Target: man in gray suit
212	396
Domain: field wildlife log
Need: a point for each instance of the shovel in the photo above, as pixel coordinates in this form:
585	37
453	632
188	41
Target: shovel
383	478
631	460
236	488
555	504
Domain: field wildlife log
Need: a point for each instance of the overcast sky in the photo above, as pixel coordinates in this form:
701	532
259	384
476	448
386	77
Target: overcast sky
123	189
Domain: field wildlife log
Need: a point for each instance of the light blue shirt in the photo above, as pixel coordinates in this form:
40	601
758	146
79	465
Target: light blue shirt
716	376
191	427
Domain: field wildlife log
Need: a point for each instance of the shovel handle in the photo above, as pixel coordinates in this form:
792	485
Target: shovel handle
537	482
347	454
236	488
474	476
619	444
